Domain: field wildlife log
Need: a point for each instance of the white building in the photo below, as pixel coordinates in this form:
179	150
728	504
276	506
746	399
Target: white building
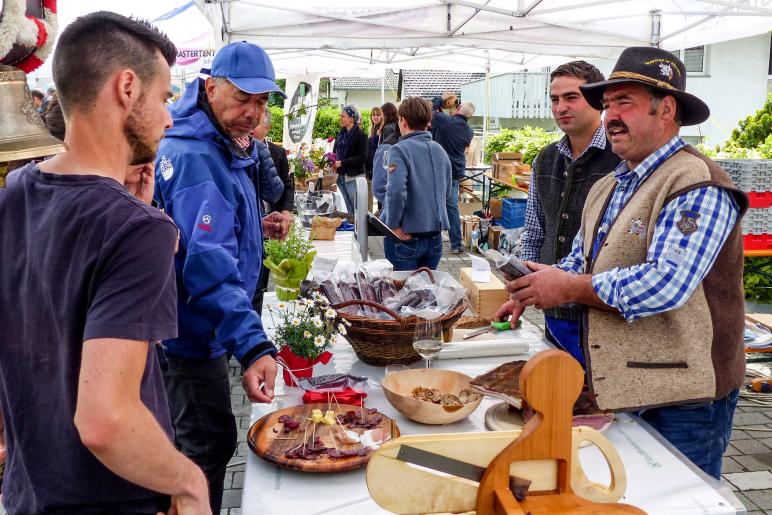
733	78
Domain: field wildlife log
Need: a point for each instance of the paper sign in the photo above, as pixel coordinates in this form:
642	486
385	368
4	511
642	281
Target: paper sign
481	270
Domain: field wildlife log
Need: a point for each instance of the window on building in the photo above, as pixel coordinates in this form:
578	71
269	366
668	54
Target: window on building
694	59
769	71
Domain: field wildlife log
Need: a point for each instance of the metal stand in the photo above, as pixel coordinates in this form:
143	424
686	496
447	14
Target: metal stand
360	216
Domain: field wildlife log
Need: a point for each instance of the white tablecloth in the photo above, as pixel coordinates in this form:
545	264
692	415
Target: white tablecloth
659	479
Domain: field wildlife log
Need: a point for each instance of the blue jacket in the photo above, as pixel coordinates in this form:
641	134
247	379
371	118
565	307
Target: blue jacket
379	173
418	187
204	182
454	134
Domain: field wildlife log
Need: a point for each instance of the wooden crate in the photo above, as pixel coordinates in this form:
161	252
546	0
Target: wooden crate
484	298
468	224
494	236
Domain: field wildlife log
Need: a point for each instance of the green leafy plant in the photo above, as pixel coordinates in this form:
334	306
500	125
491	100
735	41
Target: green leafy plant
306	326
755	129
295	246
757	279
327	122
529	141
277	124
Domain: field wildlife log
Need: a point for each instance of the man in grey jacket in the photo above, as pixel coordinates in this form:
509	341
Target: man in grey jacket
417	191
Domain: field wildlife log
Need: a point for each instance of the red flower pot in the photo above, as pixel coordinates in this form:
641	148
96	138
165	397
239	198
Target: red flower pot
299	366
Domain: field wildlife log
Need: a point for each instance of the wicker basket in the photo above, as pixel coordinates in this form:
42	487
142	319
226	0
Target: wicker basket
380	342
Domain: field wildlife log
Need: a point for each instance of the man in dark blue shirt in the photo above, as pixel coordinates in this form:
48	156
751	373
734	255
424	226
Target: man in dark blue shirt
86	284
454	134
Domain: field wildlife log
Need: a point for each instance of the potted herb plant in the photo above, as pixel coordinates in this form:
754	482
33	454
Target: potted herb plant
305	330
289	261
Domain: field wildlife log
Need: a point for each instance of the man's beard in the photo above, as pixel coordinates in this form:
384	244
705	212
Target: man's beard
141	151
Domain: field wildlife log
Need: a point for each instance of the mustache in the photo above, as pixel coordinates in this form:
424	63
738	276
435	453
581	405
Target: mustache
616	124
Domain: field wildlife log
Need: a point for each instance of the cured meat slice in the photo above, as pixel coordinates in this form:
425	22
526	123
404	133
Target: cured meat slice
502	382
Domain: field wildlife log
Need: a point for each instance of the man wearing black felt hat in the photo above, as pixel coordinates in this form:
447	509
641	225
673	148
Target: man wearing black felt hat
657	265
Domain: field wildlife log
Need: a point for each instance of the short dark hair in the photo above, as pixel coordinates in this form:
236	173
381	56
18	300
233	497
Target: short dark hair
94	46
390	113
38	94
580	70
417	112
54	119
656	97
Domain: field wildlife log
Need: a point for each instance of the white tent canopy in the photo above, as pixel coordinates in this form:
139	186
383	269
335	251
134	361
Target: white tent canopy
361	36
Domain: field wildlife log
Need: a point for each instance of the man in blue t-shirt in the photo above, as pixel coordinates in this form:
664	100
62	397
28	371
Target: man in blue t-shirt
86	285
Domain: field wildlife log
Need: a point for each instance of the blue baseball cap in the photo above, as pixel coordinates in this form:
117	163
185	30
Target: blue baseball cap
246	66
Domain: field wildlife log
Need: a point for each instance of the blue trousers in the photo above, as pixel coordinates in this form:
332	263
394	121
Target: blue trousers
454	231
700	431
414	253
349	192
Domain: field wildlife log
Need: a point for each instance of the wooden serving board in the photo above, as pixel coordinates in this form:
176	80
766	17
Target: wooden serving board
272	446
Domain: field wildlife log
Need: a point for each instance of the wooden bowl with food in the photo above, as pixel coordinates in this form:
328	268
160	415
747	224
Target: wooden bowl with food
430	395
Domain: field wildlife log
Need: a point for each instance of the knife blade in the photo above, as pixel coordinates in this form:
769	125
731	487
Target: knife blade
458	468
478	332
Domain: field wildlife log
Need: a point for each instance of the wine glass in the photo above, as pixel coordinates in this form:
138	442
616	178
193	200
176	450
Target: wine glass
386	159
427	338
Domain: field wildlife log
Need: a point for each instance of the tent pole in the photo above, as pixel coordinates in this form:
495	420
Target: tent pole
383	87
486	96
656	21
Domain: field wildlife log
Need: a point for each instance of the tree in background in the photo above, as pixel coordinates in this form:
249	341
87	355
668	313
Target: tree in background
755	129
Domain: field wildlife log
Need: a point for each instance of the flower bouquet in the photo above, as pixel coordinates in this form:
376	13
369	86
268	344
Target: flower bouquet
289	261
301	164
305	330
326	160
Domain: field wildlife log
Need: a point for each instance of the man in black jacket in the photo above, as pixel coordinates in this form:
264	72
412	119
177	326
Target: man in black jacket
562	176
454	134
285	203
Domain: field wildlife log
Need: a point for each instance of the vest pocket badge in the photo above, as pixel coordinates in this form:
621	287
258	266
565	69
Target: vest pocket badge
688	222
637	227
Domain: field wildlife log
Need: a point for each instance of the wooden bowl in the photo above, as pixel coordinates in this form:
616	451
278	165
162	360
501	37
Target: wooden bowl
398	386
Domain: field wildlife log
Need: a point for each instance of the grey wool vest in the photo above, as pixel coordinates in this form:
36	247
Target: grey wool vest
562	187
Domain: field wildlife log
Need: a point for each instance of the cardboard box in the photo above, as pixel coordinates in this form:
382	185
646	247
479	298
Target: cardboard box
484	298
502	159
507	156
468	224
472	152
505	171
468	208
494	236
494	206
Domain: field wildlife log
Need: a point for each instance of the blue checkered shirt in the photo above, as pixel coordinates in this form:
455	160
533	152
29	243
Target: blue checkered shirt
533	229
676	263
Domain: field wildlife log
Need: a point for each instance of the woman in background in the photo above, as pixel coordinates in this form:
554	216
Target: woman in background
373	140
351	151
390	131
376	124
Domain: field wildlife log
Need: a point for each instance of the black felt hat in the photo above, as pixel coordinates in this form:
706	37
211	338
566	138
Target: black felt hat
658	69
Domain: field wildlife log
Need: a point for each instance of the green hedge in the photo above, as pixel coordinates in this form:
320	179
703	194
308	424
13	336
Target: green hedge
327	123
529	141
277	123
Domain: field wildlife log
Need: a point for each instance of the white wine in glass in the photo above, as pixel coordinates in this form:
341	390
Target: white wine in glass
427	339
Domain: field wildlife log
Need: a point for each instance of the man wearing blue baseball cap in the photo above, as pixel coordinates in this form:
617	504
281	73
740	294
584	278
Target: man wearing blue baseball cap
204	181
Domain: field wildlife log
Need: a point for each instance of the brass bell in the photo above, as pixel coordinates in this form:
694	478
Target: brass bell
23	135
